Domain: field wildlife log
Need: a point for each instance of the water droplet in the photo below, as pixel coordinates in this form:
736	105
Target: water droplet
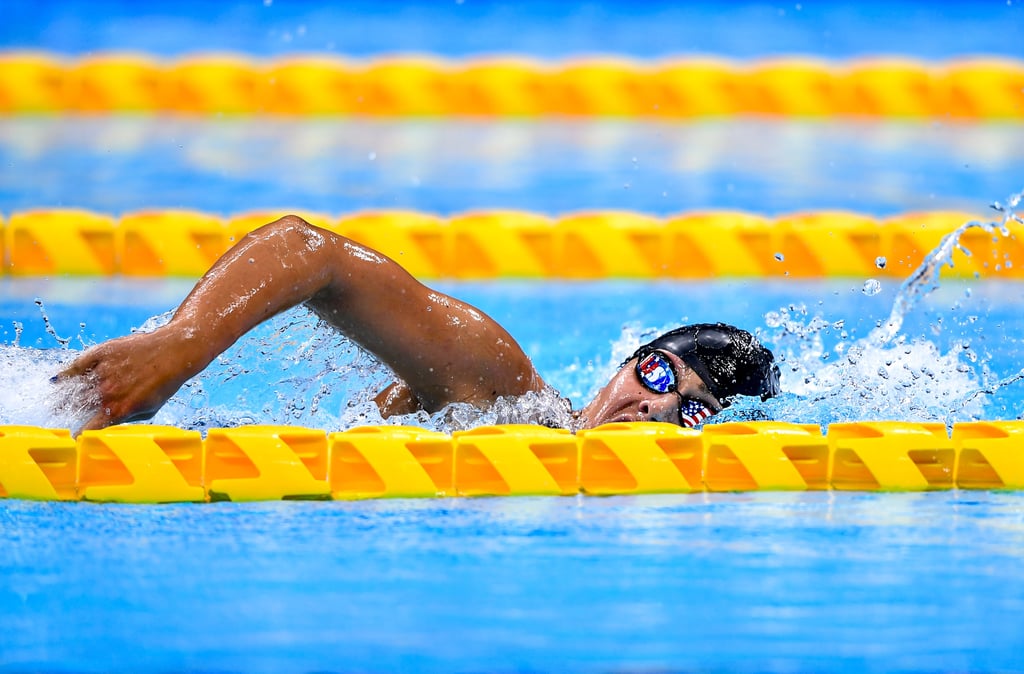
779	257
871	287
880	262
372	156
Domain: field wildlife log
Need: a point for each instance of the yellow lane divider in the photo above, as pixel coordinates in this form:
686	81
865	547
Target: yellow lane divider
159	464
971	88
509	244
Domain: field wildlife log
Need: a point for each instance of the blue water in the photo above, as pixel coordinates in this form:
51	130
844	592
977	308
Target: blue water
469	27
754	582
958	341
715	582
745	582
230	165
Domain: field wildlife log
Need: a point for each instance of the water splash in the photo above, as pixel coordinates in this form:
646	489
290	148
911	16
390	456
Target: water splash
320	379
925	278
315	374
886	375
27	396
50	330
544	408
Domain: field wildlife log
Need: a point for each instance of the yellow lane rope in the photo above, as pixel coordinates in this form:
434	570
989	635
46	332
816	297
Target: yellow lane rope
153	464
967	89
523	245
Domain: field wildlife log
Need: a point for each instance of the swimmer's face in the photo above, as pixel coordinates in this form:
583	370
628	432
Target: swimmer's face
628	398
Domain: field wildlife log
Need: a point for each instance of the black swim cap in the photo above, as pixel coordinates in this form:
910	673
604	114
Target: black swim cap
730	361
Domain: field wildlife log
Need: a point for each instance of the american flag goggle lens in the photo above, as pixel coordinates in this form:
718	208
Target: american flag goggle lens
657	375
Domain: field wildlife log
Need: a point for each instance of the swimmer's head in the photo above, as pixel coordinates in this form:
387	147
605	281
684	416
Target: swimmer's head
686	375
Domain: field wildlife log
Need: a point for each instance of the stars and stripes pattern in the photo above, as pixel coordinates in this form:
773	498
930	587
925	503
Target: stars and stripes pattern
693	412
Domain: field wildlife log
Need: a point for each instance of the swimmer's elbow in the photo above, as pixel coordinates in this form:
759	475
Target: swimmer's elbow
396	400
294	231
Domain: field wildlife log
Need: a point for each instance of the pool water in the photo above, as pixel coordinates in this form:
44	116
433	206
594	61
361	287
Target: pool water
744	582
770	166
816	581
761	581
957	356
658	28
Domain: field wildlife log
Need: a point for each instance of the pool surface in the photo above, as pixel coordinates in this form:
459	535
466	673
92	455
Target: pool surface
786	582
956	358
745	582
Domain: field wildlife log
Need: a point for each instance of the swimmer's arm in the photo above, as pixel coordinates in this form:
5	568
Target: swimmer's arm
442	349
268	271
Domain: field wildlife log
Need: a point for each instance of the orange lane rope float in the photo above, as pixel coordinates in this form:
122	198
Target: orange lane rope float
158	464
963	89
511	244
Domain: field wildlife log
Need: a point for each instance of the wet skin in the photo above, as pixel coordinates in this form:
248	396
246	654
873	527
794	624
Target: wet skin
440	349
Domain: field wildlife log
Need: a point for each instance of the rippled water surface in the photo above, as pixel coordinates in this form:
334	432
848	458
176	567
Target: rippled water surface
809	582
721	582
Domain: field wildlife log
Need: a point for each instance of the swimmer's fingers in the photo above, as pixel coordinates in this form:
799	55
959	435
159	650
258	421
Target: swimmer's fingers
83	365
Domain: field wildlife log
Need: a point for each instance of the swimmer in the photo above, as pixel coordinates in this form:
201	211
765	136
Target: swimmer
441	350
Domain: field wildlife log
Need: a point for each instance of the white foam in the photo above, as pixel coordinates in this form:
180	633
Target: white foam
27	396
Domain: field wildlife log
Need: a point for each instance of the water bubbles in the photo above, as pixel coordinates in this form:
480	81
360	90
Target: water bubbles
31	397
50	330
871	287
880	262
198	399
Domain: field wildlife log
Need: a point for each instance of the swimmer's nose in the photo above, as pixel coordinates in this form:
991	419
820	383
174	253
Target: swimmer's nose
645	410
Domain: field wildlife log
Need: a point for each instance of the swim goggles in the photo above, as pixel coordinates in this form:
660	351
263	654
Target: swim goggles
656	373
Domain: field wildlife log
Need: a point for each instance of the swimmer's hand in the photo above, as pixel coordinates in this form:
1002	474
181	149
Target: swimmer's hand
134	376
